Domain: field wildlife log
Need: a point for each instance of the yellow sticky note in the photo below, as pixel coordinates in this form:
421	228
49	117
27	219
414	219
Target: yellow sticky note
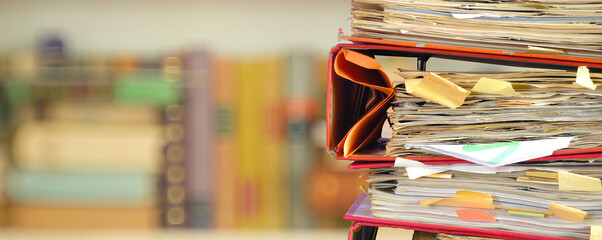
595	232
529	180
440	175
574	182
437	89
426	202
567	213
549	175
471	194
493	86
526	213
583	78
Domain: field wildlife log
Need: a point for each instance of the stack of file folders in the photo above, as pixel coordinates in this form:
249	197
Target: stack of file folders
511	155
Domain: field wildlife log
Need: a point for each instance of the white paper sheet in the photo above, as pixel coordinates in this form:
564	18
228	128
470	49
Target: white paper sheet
498	154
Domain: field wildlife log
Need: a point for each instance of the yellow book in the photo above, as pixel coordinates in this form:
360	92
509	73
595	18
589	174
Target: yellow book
248	127
274	190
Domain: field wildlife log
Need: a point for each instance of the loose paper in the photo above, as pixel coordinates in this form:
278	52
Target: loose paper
574	182
475	215
437	89
474	15
493	86
417	172
567	213
471	168
583	78
542	50
498	154
403	162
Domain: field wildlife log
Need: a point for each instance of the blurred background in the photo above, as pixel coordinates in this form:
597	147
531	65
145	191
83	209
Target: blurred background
168	115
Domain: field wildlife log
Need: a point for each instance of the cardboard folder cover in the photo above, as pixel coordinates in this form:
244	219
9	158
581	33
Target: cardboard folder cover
352	75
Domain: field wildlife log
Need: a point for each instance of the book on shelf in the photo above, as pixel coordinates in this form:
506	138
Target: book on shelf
60	188
89	146
85	146
300	114
248	128
71	217
225	151
274	190
199	125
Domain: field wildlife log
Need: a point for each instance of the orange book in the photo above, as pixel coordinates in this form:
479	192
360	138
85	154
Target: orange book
225	159
26	216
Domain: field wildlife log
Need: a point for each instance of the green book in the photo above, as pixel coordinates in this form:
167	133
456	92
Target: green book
147	88
54	188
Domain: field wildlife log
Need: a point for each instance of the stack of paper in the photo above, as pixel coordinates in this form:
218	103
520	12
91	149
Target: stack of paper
546	108
555	25
535	199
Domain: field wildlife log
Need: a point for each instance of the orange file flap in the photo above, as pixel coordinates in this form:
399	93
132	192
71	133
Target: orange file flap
360	94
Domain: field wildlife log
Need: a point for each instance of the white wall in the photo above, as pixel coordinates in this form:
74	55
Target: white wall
93	26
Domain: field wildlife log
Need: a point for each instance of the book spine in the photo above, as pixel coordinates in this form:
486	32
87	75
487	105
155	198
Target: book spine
226	149
300	151
89	147
274	194
56	188
200	132
250	153
69	218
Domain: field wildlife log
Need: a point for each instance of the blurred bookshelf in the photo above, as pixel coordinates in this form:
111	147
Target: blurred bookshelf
182	140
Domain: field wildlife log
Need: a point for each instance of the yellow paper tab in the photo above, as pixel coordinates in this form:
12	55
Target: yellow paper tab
493	86
542	50
523	210
426	202
437	89
574	182
548	175
583	78
486	203
529	180
440	175
595	232
567	213
471	194
526	213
